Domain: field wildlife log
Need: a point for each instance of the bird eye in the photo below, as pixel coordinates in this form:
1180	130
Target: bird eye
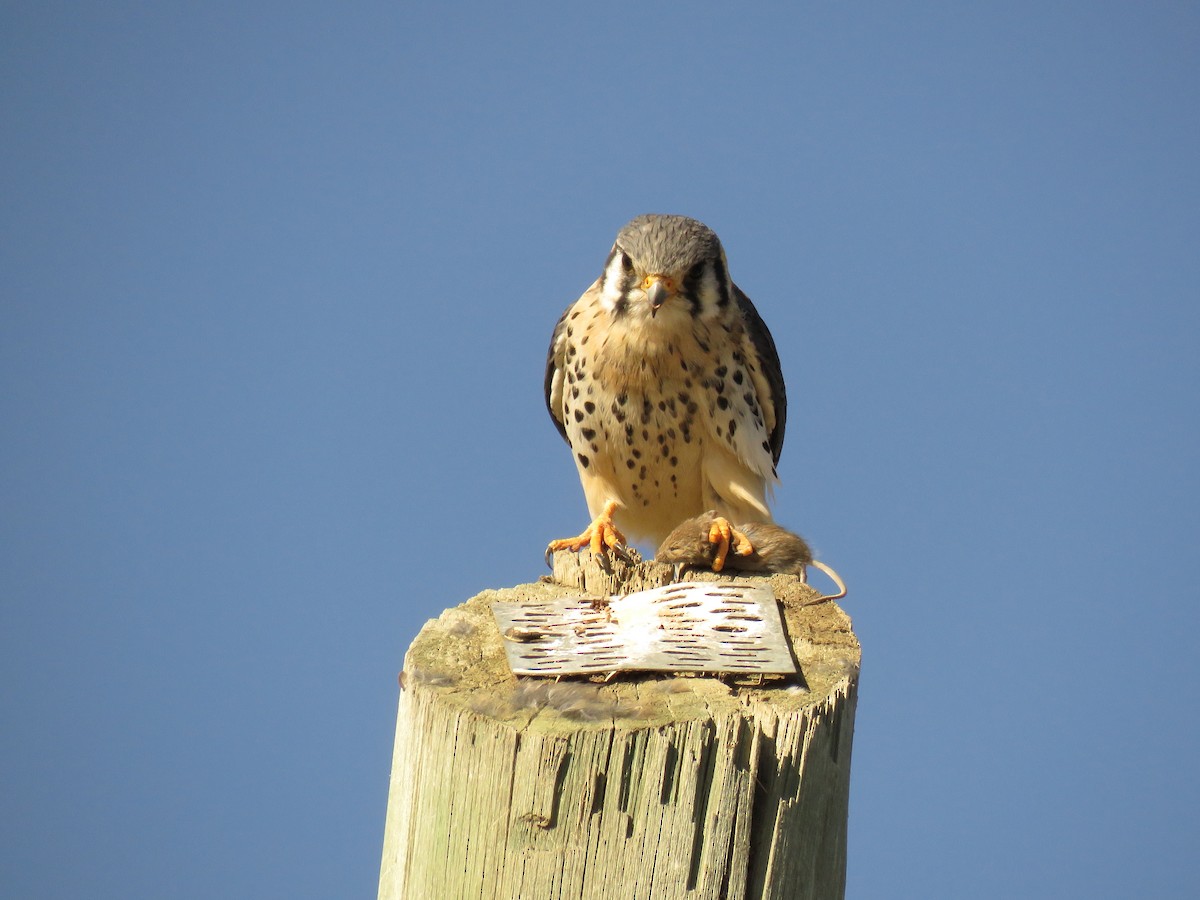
695	278
626	262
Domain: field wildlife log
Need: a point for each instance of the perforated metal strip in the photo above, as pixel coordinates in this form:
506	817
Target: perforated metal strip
692	627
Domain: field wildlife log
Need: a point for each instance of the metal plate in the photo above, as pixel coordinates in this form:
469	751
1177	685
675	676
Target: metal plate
693	627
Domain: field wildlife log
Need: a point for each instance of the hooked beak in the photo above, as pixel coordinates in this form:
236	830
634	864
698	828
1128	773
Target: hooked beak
658	289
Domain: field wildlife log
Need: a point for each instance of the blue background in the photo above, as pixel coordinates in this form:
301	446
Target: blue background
277	282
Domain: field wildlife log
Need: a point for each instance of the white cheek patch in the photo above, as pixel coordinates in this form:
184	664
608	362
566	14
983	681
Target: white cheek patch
710	293
614	279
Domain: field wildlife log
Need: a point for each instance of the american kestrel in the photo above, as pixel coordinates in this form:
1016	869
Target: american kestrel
666	384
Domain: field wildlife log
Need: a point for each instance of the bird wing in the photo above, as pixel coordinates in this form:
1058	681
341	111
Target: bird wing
556	373
767	374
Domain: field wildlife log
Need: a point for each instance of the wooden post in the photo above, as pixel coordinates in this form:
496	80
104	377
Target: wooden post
648	786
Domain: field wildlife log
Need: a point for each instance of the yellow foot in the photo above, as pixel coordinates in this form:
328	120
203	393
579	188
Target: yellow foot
725	536
601	535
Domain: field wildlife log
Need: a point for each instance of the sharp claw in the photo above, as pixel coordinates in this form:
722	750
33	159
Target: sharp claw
600	536
619	551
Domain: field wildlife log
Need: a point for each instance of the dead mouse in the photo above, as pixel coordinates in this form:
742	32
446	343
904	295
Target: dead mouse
751	547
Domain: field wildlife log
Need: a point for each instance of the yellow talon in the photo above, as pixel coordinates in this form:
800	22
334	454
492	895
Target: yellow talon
599	536
724	535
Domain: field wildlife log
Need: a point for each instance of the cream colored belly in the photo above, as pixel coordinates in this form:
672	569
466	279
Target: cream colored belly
661	489
648	455
639	414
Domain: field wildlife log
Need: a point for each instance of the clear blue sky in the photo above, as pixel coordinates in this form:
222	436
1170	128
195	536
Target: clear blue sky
276	283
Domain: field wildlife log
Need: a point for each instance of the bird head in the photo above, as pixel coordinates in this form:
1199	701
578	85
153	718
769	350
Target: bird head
666	263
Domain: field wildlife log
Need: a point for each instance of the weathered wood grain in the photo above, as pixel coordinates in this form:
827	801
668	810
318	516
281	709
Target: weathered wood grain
652	787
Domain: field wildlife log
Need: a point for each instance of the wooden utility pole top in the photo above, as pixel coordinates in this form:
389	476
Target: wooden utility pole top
648	786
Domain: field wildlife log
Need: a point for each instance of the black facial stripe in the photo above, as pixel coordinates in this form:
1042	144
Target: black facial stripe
691	285
722	283
628	280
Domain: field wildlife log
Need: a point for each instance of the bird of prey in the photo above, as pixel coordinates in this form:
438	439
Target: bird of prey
666	384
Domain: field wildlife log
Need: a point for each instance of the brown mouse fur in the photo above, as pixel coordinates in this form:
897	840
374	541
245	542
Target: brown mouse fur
776	550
